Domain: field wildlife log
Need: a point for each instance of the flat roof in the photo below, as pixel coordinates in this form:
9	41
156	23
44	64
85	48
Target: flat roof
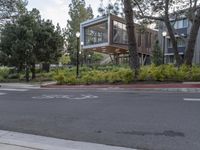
94	20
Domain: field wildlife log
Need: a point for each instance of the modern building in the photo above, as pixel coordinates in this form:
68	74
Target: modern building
182	28
107	34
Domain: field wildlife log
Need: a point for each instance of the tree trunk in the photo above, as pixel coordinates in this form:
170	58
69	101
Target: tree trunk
27	73
20	68
46	67
132	45
171	34
33	70
174	43
192	40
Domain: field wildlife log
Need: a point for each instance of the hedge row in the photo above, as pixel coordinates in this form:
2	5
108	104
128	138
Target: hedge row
125	75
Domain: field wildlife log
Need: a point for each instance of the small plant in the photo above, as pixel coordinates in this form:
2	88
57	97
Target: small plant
4	72
60	77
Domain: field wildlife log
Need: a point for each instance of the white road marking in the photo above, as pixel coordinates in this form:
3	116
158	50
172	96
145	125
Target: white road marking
73	97
191	99
10	89
2	94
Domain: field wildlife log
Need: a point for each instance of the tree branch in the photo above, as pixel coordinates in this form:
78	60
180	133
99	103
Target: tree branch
151	17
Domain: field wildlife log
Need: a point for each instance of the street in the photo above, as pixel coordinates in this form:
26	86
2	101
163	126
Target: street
120	117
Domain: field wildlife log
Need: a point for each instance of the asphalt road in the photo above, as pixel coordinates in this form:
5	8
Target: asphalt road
143	120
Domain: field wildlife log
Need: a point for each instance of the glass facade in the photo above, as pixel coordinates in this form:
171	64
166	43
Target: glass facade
180	24
180	43
119	33
96	34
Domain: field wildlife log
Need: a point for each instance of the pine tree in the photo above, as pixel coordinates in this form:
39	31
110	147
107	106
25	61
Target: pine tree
78	13
111	8
157	57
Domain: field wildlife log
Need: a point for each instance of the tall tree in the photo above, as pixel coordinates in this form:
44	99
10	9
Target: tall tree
11	9
49	43
132	45
157	56
30	40
164	11
194	16
111	8
78	13
160	10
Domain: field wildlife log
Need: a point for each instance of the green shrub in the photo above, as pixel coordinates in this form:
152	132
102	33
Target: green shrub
86	79
113	74
183	73
60	78
170	72
144	74
4	72
195	71
2	79
14	76
126	75
157	73
71	80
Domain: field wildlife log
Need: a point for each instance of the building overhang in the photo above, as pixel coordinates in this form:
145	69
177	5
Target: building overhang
107	49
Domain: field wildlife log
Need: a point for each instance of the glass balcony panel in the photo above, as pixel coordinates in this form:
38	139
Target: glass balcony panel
96	34
119	33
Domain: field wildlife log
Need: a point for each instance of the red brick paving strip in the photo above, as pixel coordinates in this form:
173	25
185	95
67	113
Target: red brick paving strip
147	86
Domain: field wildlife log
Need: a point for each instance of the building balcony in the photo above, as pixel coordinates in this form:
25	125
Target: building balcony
180	50
107	34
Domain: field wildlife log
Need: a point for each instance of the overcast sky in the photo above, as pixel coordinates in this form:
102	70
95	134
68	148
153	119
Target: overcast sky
57	10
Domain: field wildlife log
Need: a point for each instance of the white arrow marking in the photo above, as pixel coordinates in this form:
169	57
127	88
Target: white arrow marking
191	99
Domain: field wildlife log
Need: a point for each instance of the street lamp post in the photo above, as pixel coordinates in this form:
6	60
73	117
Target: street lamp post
89	59
77	55
164	33
82	54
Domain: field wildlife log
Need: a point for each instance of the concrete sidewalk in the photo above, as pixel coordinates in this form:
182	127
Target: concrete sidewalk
19	141
20	85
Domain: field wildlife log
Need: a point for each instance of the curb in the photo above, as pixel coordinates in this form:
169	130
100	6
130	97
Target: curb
185	87
20	141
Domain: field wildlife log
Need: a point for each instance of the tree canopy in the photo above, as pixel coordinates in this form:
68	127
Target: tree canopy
29	40
10	9
166	10
78	13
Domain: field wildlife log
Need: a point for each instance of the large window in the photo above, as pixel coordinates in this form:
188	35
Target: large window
119	33
147	40
180	24
169	43
139	41
180	43
96	34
